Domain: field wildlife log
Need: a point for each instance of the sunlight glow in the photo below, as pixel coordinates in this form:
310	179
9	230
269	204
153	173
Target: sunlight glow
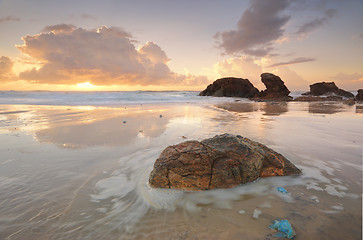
86	85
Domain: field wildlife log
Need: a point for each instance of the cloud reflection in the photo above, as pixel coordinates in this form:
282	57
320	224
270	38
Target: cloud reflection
114	131
269	108
325	108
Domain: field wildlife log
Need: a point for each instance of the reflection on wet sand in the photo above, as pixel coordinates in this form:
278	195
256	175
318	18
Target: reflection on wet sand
278	108
241	107
359	108
269	108
99	190
325	108
114	131
86	126
274	108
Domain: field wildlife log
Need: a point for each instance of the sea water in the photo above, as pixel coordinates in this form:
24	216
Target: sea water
111	98
75	98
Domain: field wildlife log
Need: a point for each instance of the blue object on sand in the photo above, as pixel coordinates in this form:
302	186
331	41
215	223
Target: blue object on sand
282	190
284	228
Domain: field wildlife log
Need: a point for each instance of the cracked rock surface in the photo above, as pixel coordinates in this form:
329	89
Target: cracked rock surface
223	161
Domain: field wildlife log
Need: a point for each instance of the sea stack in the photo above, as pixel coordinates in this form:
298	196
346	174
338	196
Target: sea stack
327	88
359	96
230	87
275	89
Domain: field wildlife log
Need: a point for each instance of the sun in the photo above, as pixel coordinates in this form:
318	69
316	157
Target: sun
86	85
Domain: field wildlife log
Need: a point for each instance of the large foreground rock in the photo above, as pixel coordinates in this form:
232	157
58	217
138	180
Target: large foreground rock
275	88
230	87
327	88
223	161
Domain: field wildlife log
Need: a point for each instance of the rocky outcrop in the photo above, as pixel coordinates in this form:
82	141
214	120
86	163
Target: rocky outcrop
275	89
223	161
359	96
230	87
327	88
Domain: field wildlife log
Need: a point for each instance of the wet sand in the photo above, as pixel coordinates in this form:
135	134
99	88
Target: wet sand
81	172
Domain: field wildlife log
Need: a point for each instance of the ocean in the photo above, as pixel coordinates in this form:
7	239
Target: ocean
59	98
112	98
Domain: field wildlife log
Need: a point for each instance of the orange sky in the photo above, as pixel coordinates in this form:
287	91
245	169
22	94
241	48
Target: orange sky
143	45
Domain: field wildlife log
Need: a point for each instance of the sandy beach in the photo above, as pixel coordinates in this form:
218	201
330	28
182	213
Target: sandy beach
81	172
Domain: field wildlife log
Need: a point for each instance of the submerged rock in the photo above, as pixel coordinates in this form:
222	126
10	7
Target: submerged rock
223	161
230	87
275	88
327	88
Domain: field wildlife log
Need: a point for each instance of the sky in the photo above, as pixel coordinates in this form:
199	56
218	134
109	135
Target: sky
121	45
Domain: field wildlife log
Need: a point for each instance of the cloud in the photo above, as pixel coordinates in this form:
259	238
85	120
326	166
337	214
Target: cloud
242	67
258	52
312	25
292	79
260	25
251	68
6	69
357	36
9	19
66	28
351	81
104	56
293	61
88	16
348	77
6	65
153	53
